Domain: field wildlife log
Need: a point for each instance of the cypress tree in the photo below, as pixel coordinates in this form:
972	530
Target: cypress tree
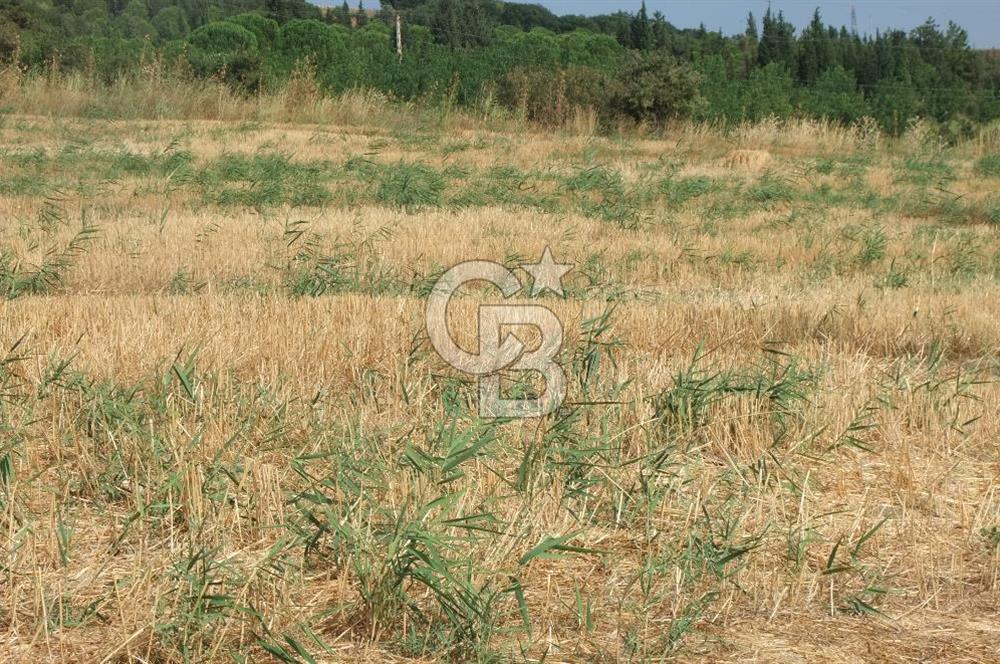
642	31
660	38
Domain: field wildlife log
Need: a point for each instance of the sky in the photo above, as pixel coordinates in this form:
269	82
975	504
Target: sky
981	18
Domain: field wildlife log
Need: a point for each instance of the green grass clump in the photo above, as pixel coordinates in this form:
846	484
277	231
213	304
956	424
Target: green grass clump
681	190
410	186
993	214
771	189
24	185
504	185
922	171
873	243
598	179
601	194
17	280
84	163
989	165
264	180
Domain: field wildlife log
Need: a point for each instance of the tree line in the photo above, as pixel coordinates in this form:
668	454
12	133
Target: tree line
526	58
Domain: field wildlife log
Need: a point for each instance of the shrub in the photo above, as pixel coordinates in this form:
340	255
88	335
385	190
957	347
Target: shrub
767	93
835	96
654	85
894	104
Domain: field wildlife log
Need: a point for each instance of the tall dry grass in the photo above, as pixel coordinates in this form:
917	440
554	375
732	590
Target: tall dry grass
156	91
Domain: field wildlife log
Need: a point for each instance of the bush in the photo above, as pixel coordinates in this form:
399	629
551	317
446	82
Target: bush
835	96
721	95
894	104
767	93
653	85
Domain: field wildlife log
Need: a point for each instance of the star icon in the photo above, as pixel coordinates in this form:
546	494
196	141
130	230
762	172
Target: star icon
547	274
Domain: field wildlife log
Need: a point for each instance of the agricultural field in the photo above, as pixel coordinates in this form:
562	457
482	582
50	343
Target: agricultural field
225	436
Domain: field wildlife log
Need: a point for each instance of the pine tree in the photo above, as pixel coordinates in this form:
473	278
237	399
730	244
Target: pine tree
460	24
623	28
660	37
642	31
750	43
777	41
815	57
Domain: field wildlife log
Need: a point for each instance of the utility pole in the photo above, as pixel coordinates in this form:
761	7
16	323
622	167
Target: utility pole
399	38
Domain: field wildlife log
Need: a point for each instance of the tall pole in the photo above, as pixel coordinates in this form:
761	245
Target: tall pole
399	38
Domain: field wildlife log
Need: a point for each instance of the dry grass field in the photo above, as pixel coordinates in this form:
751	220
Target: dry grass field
224	435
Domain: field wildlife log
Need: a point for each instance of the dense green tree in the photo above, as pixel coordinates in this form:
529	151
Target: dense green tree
460	24
583	48
262	27
895	103
226	49
767	93
835	96
134	22
309	38
815	55
777	41
720	92
661	31
527	16
539	47
171	23
642	30
287	10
